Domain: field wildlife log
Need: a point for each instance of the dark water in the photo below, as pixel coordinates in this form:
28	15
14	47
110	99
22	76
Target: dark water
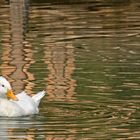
86	55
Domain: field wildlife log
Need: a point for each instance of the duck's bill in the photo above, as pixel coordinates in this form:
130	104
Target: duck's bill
10	95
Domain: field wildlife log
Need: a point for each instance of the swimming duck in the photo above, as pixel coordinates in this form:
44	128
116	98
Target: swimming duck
17	105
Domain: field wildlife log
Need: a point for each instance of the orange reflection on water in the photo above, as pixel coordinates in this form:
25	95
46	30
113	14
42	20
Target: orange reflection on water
60	62
53	137
5	68
29	60
17	18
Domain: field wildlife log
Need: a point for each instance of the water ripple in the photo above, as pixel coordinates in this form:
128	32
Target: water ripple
85	55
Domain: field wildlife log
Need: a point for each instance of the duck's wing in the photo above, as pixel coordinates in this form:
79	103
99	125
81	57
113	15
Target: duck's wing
22	96
27	103
37	97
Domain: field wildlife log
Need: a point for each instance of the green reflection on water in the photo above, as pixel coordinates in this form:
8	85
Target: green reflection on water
98	47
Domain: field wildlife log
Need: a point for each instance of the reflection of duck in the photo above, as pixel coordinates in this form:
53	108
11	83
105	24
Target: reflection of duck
18	105
9	128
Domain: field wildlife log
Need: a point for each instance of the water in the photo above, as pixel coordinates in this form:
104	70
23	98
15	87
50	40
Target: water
85	55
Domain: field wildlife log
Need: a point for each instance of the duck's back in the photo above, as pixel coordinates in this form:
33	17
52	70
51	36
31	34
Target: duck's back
29	104
26	103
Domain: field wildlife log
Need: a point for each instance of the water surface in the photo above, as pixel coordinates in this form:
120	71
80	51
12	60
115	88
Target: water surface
85	55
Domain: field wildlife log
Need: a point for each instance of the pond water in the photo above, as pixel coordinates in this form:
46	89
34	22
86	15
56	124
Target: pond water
86	55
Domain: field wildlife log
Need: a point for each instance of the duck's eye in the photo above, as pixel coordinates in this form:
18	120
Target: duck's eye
2	85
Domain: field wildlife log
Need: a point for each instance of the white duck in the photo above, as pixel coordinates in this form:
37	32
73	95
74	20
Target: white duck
17	105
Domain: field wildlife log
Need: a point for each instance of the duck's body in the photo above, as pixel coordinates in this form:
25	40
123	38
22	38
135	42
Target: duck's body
21	105
10	108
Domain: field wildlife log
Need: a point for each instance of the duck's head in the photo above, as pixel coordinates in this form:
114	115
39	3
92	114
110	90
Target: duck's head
6	90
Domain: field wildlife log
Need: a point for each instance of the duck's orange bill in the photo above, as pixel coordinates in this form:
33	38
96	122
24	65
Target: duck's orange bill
10	95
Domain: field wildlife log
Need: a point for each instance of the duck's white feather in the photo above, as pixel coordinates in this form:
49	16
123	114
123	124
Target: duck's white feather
29	104
25	105
10	109
37	97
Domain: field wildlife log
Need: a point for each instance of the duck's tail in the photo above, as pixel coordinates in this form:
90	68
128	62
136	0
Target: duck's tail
37	97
